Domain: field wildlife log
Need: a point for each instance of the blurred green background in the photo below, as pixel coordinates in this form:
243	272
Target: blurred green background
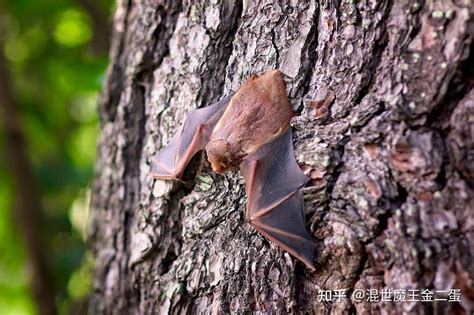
55	52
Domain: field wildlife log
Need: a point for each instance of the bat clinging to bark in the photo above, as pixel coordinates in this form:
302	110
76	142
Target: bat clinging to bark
251	131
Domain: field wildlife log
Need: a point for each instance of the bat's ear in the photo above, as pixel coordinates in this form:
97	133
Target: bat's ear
273	74
276	73
252	76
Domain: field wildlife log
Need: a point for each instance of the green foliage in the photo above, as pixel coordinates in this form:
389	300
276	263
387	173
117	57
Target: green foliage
73	28
56	77
14	297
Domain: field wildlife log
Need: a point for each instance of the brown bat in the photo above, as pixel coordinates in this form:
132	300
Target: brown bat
251	131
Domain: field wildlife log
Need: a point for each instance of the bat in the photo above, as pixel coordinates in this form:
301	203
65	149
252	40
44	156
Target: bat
250	131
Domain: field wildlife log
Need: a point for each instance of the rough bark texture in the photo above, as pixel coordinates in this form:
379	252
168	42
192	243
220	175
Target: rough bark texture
384	89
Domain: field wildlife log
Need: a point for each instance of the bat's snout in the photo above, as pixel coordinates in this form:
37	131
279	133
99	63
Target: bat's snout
218	168
219	155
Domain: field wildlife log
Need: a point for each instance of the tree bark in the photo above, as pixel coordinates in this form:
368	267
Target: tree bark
384	92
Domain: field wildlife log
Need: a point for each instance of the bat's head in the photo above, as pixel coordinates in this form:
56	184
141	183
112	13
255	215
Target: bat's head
257	113
220	154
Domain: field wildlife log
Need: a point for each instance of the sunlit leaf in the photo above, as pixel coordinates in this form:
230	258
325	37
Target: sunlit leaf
84	108
36	39
79	213
80	282
73	28
83	145
16	50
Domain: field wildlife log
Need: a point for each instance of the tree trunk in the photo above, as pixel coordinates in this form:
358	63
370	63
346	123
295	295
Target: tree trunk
384	92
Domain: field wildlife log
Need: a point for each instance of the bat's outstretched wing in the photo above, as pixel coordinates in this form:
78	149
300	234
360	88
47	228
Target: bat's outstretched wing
192	136
274	197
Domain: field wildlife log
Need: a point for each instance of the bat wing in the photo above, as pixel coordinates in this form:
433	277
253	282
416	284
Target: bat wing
191	137
274	197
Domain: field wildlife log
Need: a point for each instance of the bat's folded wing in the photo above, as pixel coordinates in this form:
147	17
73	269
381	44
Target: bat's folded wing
192	136
274	185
